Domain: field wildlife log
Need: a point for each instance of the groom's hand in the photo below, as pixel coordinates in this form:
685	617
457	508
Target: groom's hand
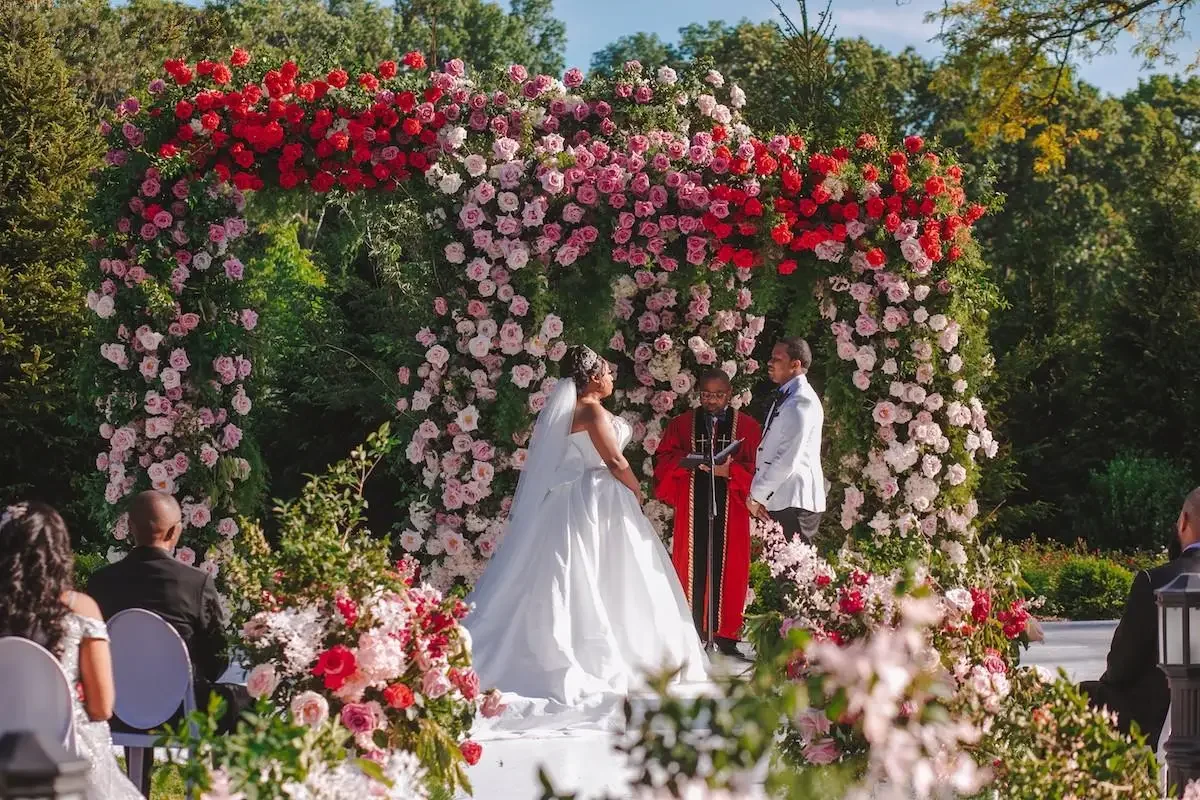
757	509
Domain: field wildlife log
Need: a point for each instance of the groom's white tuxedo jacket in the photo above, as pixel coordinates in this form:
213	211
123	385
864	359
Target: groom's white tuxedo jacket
788	473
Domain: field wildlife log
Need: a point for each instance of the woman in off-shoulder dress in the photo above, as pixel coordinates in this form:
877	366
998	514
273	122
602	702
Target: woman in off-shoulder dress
37	603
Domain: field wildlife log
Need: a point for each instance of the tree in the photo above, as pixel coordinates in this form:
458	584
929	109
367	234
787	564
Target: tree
49	146
1019	54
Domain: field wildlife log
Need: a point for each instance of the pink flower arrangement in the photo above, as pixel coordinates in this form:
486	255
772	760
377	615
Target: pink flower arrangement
381	663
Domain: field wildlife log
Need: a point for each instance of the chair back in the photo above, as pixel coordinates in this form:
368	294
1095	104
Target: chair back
35	694
151	669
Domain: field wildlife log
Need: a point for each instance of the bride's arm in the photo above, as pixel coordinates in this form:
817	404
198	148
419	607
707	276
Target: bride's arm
600	431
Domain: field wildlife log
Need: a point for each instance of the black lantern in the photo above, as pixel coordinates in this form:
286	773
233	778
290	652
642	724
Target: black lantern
1179	658
33	767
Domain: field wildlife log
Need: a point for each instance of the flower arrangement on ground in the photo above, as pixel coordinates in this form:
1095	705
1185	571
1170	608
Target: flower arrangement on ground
333	629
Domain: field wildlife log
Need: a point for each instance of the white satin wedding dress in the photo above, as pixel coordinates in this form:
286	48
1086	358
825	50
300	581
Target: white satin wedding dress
581	600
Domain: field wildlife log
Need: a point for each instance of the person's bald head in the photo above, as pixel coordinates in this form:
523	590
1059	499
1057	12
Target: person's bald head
1189	519
155	520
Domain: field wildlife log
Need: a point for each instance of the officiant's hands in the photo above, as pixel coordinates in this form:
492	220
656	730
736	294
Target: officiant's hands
720	470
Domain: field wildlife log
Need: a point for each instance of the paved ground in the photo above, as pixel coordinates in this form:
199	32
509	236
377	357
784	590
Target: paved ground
1078	647
584	762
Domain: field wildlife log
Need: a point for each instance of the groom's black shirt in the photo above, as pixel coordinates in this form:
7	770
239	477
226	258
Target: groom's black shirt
1133	685
184	596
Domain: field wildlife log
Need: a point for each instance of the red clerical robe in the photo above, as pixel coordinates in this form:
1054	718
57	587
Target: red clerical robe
687	492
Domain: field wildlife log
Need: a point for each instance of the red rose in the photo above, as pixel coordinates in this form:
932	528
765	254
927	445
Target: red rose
787	267
841	153
875	257
900	181
851	602
336	665
792	180
471	751
875	208
221	75
743	259
823	580
934	185
398	696
870	173
782	234
414	60
348	609
387	69
467	682
982	608
368	81
168	150
240	57
184	109
796	143
411	126
913	144
338	78
866	141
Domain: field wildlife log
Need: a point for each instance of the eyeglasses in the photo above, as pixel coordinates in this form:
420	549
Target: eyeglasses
714	395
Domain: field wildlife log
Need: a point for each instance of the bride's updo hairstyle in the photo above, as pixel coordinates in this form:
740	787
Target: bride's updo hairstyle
583	365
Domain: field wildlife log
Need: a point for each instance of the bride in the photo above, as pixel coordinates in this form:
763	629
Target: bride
580	600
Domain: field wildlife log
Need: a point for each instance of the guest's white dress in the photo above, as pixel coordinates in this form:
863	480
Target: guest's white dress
93	740
581	599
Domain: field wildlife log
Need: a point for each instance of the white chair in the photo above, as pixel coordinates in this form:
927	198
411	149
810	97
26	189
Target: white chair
35	694
153	678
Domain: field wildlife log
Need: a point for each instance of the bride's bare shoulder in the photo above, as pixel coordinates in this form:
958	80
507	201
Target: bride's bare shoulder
588	414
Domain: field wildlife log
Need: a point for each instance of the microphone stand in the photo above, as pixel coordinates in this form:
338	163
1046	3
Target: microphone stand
709	595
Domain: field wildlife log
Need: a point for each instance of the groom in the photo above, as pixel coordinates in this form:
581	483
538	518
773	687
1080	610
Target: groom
789	486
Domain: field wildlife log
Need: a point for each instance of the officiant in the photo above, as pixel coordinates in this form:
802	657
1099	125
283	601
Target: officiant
688	491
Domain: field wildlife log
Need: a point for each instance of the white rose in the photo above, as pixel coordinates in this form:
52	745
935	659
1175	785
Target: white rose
449	184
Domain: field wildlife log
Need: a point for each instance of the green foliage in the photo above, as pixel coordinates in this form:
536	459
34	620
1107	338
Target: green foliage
1043	562
49	146
1132	504
322	541
86	563
1092	588
1046	742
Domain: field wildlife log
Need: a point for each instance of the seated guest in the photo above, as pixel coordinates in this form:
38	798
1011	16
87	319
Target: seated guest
38	603
186	597
1133	686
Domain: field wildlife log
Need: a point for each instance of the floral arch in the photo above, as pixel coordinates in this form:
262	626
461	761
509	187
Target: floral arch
536	188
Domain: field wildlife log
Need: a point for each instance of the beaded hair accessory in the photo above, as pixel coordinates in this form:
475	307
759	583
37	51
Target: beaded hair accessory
584	362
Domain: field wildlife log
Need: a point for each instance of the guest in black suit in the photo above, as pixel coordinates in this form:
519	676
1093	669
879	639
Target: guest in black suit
186	597
1133	686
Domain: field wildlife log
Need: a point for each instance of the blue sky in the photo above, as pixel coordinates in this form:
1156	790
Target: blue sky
893	24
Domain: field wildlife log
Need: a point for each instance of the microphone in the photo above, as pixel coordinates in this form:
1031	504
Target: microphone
712	432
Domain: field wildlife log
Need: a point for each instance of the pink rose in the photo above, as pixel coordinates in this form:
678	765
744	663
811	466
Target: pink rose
823	751
310	708
359	718
261	681
435	684
492	706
